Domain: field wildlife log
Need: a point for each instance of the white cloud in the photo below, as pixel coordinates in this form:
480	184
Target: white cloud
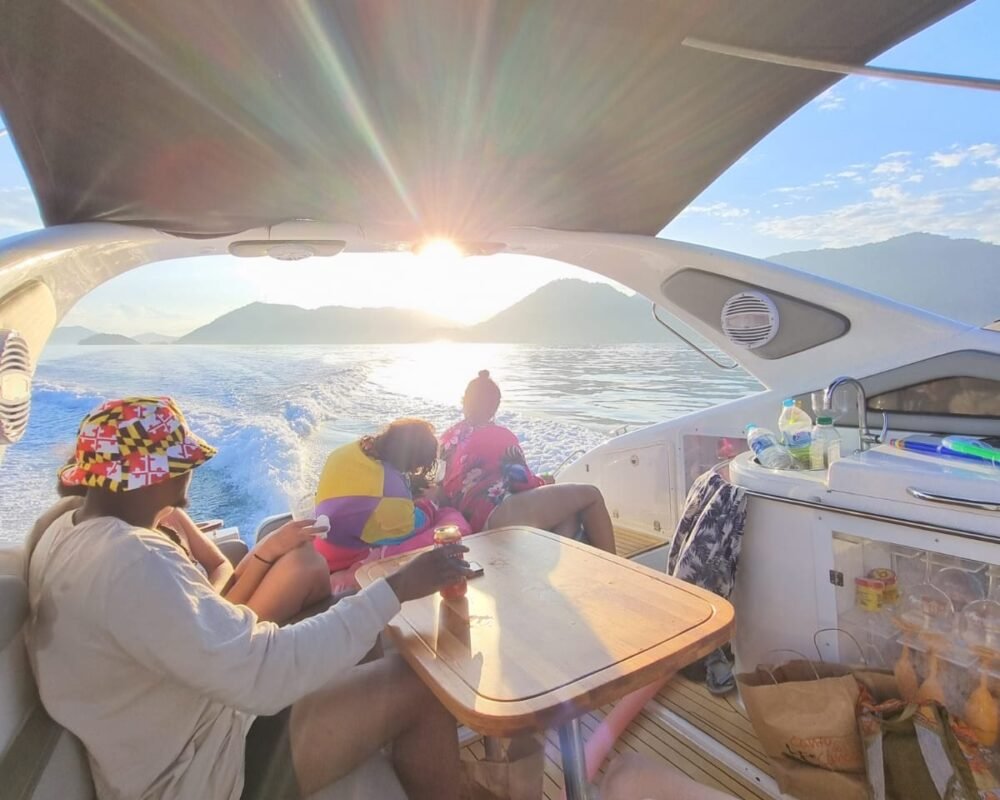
947	160
830	101
722	210
956	156
978	152
897	154
916	177
18	210
893	167
847	173
875	83
986	185
889	212
890	192
3	132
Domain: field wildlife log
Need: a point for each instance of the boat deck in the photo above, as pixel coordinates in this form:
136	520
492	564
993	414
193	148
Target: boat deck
653	734
631	543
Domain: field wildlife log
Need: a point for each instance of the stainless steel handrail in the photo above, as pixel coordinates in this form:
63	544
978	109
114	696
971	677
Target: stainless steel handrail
566	460
930	497
692	345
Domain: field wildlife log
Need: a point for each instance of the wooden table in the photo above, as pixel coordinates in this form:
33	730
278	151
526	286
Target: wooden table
552	630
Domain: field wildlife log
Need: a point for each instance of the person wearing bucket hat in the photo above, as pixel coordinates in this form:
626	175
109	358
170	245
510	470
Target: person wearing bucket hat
278	579
134	443
176	692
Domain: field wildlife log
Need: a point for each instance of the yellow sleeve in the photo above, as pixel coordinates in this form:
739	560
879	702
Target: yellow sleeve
390	523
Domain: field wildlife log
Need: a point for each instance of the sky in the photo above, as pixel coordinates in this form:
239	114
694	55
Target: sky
867	160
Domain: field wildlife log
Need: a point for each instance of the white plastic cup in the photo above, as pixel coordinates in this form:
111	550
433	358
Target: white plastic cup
304	507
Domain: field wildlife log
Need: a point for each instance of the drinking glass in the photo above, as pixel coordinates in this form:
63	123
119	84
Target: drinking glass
841	403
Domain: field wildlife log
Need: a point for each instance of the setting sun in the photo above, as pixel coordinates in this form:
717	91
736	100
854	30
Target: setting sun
439	250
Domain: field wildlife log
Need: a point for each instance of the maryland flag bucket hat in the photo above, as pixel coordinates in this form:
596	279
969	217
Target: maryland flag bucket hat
134	442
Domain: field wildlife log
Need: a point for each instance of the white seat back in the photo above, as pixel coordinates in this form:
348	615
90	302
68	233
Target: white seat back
39	759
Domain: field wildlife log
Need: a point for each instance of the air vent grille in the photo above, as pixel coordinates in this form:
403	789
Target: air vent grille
750	319
15	386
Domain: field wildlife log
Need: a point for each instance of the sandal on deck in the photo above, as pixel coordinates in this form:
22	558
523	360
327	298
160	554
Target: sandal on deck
719	679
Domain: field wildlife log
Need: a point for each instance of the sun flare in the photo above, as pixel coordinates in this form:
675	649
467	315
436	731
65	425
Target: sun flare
439	250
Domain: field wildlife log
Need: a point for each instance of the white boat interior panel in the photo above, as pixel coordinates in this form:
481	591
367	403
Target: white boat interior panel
801	325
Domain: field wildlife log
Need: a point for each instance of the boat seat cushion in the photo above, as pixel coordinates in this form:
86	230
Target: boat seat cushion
13	607
374	778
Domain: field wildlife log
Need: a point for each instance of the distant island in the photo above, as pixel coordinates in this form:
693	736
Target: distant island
108	338
917	268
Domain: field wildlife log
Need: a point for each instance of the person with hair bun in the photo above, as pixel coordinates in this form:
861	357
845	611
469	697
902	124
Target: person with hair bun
489	481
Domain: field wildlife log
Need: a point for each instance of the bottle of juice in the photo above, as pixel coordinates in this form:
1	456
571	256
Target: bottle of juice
447	534
795	427
825	446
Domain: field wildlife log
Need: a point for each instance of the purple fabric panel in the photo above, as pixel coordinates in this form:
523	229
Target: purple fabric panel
393	484
347	516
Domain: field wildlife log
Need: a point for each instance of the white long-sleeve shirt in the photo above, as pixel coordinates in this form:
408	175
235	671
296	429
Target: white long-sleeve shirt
158	675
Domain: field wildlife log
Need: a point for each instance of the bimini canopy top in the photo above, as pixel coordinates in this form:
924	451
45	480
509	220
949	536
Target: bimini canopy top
451	117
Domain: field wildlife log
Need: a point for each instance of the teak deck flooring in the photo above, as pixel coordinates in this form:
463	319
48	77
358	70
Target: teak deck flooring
722	718
630	543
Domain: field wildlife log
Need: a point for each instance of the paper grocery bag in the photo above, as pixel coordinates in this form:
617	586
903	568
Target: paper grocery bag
518	776
807	712
800	780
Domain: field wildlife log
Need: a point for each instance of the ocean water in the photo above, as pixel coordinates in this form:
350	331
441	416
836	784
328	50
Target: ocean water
275	412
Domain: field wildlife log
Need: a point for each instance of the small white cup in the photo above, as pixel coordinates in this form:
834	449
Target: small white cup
304	507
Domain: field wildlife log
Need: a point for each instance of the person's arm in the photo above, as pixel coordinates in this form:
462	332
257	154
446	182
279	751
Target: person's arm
520	478
254	565
162	613
203	549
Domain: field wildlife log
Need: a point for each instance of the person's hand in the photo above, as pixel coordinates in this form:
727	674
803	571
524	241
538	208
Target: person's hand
288	537
172	518
429	572
547	479
432	493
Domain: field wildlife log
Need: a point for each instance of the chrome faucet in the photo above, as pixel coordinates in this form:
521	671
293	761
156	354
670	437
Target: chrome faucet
865	437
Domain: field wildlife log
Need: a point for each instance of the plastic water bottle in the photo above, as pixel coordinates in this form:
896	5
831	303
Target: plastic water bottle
769	451
795	426
825	447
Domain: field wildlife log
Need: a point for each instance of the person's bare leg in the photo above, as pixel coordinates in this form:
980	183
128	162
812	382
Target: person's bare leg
297	580
569	527
553	507
636	777
336	729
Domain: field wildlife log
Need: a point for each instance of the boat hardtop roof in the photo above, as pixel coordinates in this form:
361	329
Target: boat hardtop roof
443	117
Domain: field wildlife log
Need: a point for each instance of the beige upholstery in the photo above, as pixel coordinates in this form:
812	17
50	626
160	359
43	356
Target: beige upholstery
270	524
40	760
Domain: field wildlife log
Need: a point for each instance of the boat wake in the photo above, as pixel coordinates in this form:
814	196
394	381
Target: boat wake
275	412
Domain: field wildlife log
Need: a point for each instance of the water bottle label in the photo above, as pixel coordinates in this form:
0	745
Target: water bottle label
799	439
759	446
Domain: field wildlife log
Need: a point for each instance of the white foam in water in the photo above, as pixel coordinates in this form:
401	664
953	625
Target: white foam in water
275	412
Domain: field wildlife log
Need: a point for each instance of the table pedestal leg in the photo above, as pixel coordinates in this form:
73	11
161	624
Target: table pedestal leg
573	760
493	748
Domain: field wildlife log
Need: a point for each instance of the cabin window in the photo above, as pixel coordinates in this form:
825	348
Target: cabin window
957	397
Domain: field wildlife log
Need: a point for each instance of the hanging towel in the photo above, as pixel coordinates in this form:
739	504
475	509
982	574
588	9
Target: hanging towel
705	549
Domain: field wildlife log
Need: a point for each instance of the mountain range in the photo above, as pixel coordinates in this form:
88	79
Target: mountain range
267	323
958	278
77	334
